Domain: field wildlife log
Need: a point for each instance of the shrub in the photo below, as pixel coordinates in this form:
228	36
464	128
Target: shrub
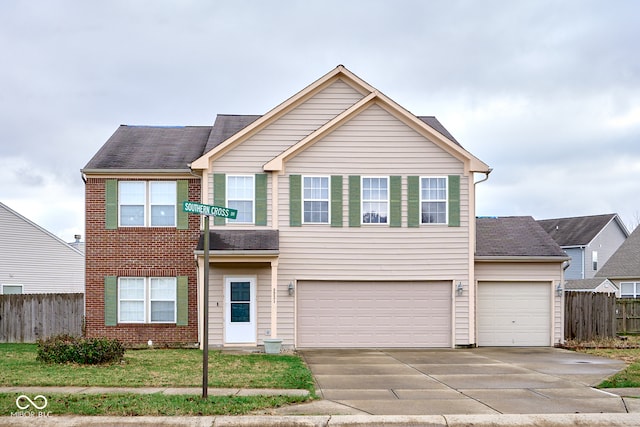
86	351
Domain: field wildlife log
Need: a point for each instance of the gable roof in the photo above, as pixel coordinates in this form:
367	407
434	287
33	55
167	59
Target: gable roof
225	126
579	230
625	262
588	284
371	96
514	237
151	148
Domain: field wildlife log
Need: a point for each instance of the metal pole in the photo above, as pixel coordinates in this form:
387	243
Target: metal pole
205	312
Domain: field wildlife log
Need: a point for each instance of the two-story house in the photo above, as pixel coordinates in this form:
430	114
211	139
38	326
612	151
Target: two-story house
588	240
355	228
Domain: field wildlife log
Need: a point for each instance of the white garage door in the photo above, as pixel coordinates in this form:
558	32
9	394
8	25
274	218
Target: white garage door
514	314
373	314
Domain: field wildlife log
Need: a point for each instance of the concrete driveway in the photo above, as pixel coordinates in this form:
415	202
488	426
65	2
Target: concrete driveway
461	381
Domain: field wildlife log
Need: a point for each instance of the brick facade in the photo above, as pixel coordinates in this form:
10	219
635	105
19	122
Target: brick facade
141	252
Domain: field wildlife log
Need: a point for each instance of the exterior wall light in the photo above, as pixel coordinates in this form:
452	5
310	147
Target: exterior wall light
459	289
291	289
559	289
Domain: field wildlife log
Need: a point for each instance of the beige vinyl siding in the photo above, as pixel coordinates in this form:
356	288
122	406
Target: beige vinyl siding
36	259
377	144
218	272
550	273
275	138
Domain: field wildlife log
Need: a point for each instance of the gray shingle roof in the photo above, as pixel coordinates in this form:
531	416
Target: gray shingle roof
514	236
587	284
576	231
434	123
174	148
241	240
625	262
151	148
225	126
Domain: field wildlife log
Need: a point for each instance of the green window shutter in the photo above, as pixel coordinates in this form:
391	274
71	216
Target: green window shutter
219	195
355	218
454	200
111	204
413	201
182	301
110	300
261	198
395	202
336	201
182	193
295	200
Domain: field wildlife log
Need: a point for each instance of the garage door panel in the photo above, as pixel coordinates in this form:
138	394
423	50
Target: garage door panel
378	314
514	314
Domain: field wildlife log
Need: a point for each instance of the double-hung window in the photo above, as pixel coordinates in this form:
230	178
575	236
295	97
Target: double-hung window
315	196
630	289
147	300
147	203
433	200
375	200
240	196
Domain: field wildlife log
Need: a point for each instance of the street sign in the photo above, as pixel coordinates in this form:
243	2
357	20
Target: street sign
209	210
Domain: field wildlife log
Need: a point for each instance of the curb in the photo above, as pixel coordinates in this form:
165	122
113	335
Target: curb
551	420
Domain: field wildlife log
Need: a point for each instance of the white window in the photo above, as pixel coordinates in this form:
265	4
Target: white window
375	200
315	199
147	300
630	289
240	196
143	203
433	200
11	289
594	260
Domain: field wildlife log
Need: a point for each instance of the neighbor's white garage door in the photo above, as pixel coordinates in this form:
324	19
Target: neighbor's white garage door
514	314
373	314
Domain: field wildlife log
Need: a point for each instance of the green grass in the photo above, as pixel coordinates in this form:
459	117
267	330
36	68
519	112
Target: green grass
626	351
147	404
155	368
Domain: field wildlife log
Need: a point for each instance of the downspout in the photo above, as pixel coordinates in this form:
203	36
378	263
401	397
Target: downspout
473	283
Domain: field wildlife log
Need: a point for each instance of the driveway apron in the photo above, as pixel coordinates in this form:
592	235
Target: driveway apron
464	381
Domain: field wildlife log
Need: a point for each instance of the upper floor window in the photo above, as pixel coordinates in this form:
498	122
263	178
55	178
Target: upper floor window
375	200
147	300
433	200
315	195
240	196
147	203
10	289
630	289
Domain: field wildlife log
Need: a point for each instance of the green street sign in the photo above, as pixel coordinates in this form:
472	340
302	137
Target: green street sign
209	210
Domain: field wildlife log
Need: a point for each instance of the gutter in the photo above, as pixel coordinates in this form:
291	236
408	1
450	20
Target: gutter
516	258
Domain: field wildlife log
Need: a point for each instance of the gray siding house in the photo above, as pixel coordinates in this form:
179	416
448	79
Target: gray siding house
588	240
33	260
623	268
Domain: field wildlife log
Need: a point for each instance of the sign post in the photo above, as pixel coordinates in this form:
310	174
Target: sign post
207	211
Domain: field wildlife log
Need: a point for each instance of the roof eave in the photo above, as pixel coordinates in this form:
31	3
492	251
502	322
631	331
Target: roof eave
520	258
146	172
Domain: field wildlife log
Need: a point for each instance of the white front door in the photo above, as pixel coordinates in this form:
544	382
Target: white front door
240	310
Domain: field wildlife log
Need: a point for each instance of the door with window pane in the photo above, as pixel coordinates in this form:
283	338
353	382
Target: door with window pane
240	310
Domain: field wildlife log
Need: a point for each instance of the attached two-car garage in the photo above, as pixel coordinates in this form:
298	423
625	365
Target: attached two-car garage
418	314
373	314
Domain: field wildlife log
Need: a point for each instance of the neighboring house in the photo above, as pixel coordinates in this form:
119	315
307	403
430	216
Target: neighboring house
623	268
588	240
33	260
597	284
356	228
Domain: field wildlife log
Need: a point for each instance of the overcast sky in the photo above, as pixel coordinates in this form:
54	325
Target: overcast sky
545	92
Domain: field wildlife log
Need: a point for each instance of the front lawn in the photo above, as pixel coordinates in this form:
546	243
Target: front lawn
627	351
155	368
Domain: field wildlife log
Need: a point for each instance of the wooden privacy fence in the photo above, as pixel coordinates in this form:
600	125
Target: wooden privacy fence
29	317
589	315
628	316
